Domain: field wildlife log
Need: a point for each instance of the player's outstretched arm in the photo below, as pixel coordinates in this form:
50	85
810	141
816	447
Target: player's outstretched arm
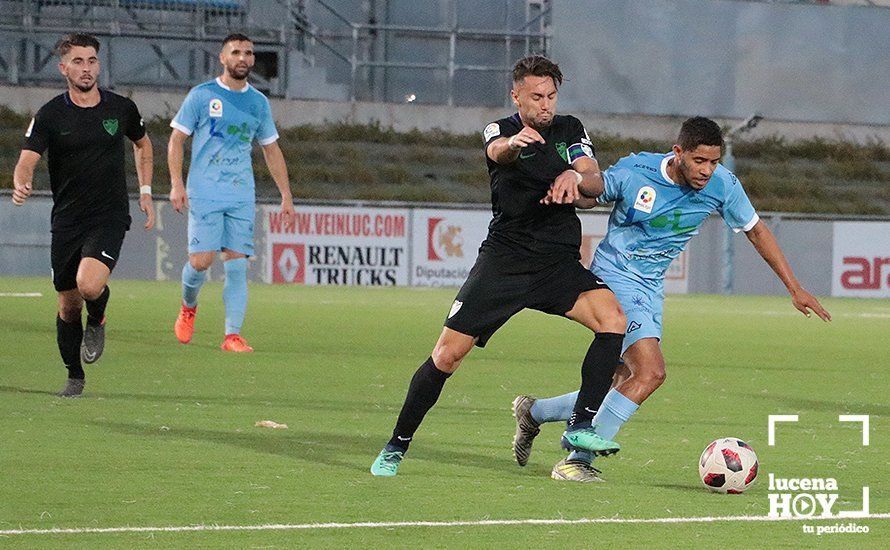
506	150
143	152
768	248
23	175
278	168
178	197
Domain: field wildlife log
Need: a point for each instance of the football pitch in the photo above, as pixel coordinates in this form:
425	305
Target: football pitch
162	450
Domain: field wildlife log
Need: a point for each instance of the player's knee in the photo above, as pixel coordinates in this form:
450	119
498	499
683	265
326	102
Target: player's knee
201	262
90	289
447	358
613	321
653	377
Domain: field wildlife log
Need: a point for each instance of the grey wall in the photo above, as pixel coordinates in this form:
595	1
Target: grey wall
724	59
806	243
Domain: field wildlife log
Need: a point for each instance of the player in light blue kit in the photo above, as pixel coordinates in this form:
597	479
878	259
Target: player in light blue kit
224	117
660	201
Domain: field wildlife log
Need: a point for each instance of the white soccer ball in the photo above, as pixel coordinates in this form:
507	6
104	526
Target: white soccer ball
728	465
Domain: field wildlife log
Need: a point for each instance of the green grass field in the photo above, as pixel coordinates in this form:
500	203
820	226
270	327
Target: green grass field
164	435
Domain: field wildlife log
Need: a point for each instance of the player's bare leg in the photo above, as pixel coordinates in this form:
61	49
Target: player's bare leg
645	363
423	392
193	274
92	279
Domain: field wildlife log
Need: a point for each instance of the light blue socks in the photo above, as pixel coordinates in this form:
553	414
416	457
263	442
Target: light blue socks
235	294
612	414
192	281
554	409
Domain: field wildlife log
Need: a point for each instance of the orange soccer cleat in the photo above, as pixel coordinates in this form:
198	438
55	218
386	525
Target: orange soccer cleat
185	324
234	342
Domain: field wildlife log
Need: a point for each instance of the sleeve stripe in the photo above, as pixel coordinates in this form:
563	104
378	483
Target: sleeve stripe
182	128
269	140
748	226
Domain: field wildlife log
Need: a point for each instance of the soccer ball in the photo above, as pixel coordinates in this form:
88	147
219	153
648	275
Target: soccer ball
728	465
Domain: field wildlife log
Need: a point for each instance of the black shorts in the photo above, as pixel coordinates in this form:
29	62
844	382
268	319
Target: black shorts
501	285
102	242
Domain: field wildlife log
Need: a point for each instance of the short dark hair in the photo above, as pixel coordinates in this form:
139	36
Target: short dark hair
537	65
83	40
697	131
235	37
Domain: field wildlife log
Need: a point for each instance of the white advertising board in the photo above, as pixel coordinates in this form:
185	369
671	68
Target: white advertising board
861	260
337	246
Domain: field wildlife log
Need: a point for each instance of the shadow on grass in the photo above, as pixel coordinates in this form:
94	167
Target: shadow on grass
12	389
332	449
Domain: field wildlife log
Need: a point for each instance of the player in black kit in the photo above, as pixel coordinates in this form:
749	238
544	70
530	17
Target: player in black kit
530	259
82	132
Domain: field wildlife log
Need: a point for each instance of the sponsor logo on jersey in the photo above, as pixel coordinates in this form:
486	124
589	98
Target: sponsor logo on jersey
633	326
645	199
110	125
672	222
216	109
492	130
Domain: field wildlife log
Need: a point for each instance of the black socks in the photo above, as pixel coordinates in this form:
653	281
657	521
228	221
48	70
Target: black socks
423	392
596	376
69	336
96	308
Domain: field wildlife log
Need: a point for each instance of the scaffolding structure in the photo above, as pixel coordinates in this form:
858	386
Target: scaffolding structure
352	50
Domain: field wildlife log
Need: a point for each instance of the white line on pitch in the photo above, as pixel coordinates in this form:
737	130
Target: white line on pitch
394	524
21	295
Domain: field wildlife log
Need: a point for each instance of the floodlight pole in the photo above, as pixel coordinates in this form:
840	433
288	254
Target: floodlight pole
729	163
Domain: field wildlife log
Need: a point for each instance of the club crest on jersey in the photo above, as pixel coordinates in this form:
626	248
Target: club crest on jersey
110	125
216	108
645	199
455	307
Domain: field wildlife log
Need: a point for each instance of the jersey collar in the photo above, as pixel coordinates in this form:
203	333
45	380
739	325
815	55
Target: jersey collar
71	103
219	83
664	168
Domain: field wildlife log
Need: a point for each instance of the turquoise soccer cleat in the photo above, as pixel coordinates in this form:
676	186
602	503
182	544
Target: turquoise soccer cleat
586	439
387	463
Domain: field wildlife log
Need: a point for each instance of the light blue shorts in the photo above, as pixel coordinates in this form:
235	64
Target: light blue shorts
215	225
642	306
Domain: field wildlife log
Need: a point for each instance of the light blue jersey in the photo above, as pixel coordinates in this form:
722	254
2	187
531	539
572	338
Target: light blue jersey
652	220
223	124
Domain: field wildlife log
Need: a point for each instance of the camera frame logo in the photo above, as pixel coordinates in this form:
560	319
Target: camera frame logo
812	498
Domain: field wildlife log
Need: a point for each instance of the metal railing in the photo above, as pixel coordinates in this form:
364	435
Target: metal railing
173	43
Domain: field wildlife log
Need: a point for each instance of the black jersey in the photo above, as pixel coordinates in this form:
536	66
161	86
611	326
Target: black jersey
85	150
521	224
